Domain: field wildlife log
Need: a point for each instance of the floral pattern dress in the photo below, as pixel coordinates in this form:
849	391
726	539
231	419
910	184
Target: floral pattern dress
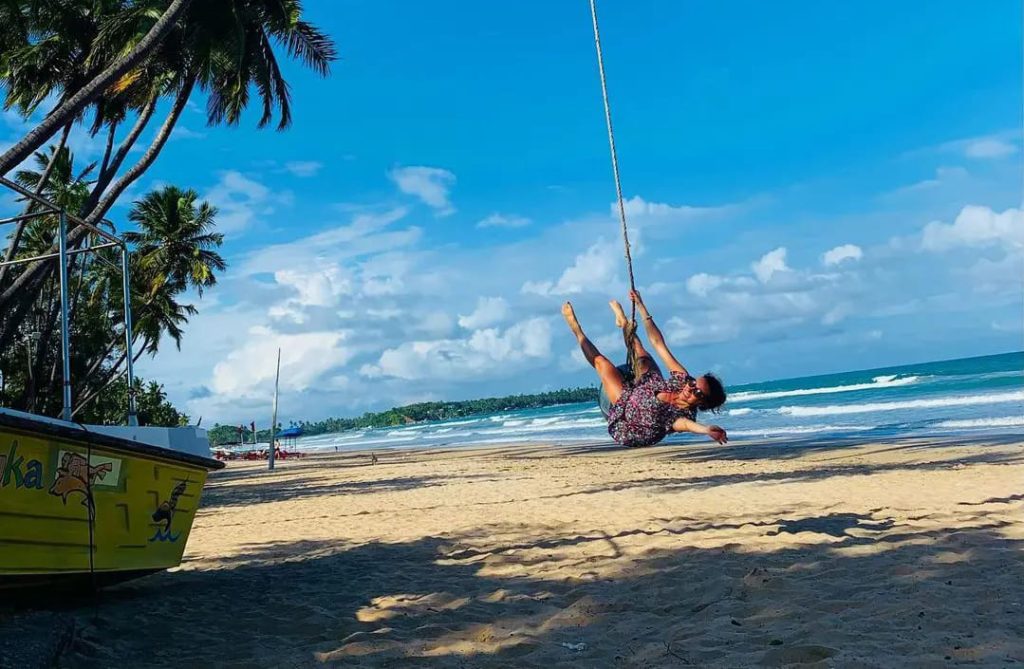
639	418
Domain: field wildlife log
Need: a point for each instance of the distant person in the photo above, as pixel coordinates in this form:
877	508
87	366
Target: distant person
644	411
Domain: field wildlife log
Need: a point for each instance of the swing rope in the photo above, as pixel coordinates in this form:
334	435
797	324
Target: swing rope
629	332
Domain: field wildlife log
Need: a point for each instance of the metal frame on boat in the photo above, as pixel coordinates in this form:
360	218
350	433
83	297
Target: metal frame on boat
62	255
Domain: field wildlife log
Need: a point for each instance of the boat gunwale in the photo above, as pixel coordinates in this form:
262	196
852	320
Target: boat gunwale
84	436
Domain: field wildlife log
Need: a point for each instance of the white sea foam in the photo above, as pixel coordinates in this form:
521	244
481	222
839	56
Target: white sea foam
462	422
361	442
797	429
1001	421
739	412
889	381
930	403
549	426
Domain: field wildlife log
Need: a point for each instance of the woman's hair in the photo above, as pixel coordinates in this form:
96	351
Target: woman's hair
715	397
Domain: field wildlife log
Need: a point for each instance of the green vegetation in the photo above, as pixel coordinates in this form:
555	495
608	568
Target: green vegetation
106	67
150	403
418	413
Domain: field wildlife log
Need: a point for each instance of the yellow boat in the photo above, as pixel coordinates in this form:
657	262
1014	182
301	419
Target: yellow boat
91	505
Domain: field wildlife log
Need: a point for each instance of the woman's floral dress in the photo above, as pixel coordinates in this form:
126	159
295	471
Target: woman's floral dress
639	418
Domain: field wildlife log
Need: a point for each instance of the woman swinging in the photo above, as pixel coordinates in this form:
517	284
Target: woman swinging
643	412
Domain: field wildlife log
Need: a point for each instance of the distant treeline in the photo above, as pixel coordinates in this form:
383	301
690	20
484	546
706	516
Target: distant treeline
416	413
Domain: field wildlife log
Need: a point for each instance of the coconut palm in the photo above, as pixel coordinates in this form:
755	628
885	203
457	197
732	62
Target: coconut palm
76	100
175	242
223	46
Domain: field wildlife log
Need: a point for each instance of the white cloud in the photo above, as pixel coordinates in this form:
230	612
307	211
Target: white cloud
306	359
702	284
642	212
488	353
183	132
435	324
976	226
366	234
241	200
303	168
681	332
489	311
596	269
502	221
982	147
838	254
430	184
1000	276
944	177
770	264
313	287
835	314
989	147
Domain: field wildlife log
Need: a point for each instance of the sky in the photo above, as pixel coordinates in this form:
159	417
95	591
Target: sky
810	188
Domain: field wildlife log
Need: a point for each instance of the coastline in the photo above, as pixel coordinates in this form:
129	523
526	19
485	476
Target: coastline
810	551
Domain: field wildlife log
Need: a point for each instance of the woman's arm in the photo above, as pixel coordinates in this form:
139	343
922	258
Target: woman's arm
713	432
655	337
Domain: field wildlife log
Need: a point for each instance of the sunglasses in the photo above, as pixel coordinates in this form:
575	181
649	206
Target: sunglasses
697	392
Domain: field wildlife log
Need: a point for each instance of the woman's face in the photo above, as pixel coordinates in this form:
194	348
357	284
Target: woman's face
692	394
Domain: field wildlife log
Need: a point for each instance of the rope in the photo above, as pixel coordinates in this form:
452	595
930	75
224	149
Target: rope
91	511
629	332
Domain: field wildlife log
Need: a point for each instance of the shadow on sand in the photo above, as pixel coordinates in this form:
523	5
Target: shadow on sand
432	603
836	587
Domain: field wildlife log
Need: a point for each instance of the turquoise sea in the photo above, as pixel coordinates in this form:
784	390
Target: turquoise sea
968	396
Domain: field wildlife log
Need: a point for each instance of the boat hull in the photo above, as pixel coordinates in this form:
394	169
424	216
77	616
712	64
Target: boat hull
82	508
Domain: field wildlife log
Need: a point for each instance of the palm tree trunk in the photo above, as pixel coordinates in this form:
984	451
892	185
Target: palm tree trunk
114	376
136	170
98	362
12	246
84	402
108	172
74	106
110	147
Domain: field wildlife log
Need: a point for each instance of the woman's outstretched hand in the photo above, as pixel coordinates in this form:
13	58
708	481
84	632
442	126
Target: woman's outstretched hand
716	433
635	296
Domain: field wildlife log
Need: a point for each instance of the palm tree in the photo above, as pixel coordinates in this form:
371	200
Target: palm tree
74	101
175	244
223	46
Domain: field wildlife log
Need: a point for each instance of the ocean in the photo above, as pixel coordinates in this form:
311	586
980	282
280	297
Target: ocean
967	396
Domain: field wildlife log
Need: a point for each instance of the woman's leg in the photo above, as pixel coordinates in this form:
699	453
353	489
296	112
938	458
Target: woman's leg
643	359
611	379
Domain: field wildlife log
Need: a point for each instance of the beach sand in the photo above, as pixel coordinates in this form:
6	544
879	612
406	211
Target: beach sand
897	554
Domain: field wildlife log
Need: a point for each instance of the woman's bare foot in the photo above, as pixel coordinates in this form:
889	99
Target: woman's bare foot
620	315
570	317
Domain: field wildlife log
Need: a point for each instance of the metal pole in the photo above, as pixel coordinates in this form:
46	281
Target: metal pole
65	327
273	422
4	181
133	418
23	217
31	377
22	261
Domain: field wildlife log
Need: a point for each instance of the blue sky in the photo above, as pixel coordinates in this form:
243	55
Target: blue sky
811	188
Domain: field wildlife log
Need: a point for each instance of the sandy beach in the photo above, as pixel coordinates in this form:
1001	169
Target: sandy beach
905	553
